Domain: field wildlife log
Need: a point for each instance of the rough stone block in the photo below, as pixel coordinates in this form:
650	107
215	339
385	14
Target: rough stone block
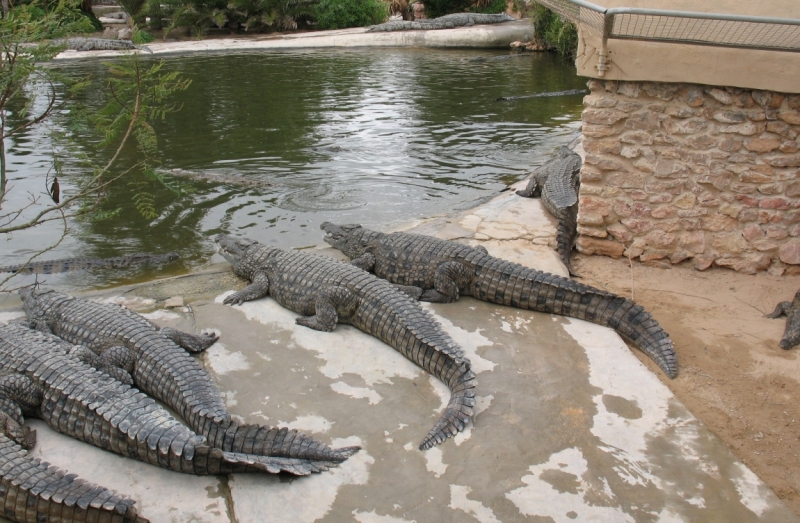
703	261
629	152
588	245
748	215
692	95
653	254
742	188
720	95
608	146
789	252
667	168
719	179
664	211
590	218
647	121
595	232
598	131
776	233
602	116
629	89
637	137
594	205
774	203
771	188
768	99
637	194
628	106
793	190
730	210
664	197
752	233
789	147
730	144
708	199
661	90
718	222
685	201
660	238
763	143
725	116
793	101
745	129
754	177
636	225
765	245
626	180
604	163
679	256
681	112
782	129
619	232
688	126
729	243
790	117
701	141
784	161
599	101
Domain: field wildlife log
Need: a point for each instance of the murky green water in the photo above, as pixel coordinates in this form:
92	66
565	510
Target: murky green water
377	136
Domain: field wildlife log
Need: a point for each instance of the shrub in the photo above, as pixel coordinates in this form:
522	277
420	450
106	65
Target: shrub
339	14
554	31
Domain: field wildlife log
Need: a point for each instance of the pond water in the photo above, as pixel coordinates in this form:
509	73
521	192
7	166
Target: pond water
381	137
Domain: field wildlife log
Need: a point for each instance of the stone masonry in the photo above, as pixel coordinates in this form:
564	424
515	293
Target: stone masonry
684	172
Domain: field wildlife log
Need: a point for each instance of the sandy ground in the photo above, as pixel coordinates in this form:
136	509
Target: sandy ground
733	375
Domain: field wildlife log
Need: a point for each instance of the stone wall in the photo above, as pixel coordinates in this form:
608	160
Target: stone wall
690	173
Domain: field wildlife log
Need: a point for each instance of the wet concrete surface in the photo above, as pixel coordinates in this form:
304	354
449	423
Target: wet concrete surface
570	425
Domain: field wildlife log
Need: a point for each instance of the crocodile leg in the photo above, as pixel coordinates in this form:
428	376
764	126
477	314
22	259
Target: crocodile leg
449	277
332	304
190	342
258	289
409	290
781	310
366	261
18	395
112	365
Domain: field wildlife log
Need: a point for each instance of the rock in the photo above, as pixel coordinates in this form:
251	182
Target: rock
637	226
597	131
768	99
602	116
629	89
125	34
730	116
693	241
588	218
111	33
587	245
790	117
173	302
723	97
599	101
763	144
703	262
649	121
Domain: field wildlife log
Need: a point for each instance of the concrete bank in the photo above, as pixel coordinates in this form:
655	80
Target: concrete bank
492	36
571	426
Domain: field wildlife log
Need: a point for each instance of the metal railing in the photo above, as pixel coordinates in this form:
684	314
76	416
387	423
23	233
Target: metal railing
682	27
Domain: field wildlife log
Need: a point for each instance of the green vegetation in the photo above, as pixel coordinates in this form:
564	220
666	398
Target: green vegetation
437	8
339	14
555	32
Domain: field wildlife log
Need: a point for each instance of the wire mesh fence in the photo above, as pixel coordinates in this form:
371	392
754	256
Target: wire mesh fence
716	29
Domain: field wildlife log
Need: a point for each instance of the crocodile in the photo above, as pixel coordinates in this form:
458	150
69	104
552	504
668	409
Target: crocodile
558	182
44	376
81	43
326	291
443	22
157	362
251	182
79	264
447	270
790	309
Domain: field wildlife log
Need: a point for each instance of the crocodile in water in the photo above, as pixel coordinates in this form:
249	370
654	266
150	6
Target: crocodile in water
791	335
557	182
79	264
447	270
158	363
326	292
443	22
249	181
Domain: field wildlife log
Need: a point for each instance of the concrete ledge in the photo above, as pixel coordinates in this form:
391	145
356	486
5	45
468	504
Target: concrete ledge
494	36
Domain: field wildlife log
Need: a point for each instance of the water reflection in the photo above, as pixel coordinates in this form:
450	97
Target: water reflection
377	136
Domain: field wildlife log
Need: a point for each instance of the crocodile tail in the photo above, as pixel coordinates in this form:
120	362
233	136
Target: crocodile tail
49	490
566	233
517	286
275	442
459	409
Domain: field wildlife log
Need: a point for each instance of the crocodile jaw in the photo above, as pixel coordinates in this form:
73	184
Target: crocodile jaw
346	238
235	251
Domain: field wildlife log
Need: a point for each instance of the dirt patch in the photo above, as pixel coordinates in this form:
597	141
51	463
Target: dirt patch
733	375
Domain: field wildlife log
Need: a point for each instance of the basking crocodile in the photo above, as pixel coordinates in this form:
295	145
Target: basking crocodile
447	270
443	22
81	43
791	335
157	363
79	264
557	182
327	292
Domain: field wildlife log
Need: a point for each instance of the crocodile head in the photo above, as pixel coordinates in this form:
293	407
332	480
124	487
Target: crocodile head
35	307
235	251
350	239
